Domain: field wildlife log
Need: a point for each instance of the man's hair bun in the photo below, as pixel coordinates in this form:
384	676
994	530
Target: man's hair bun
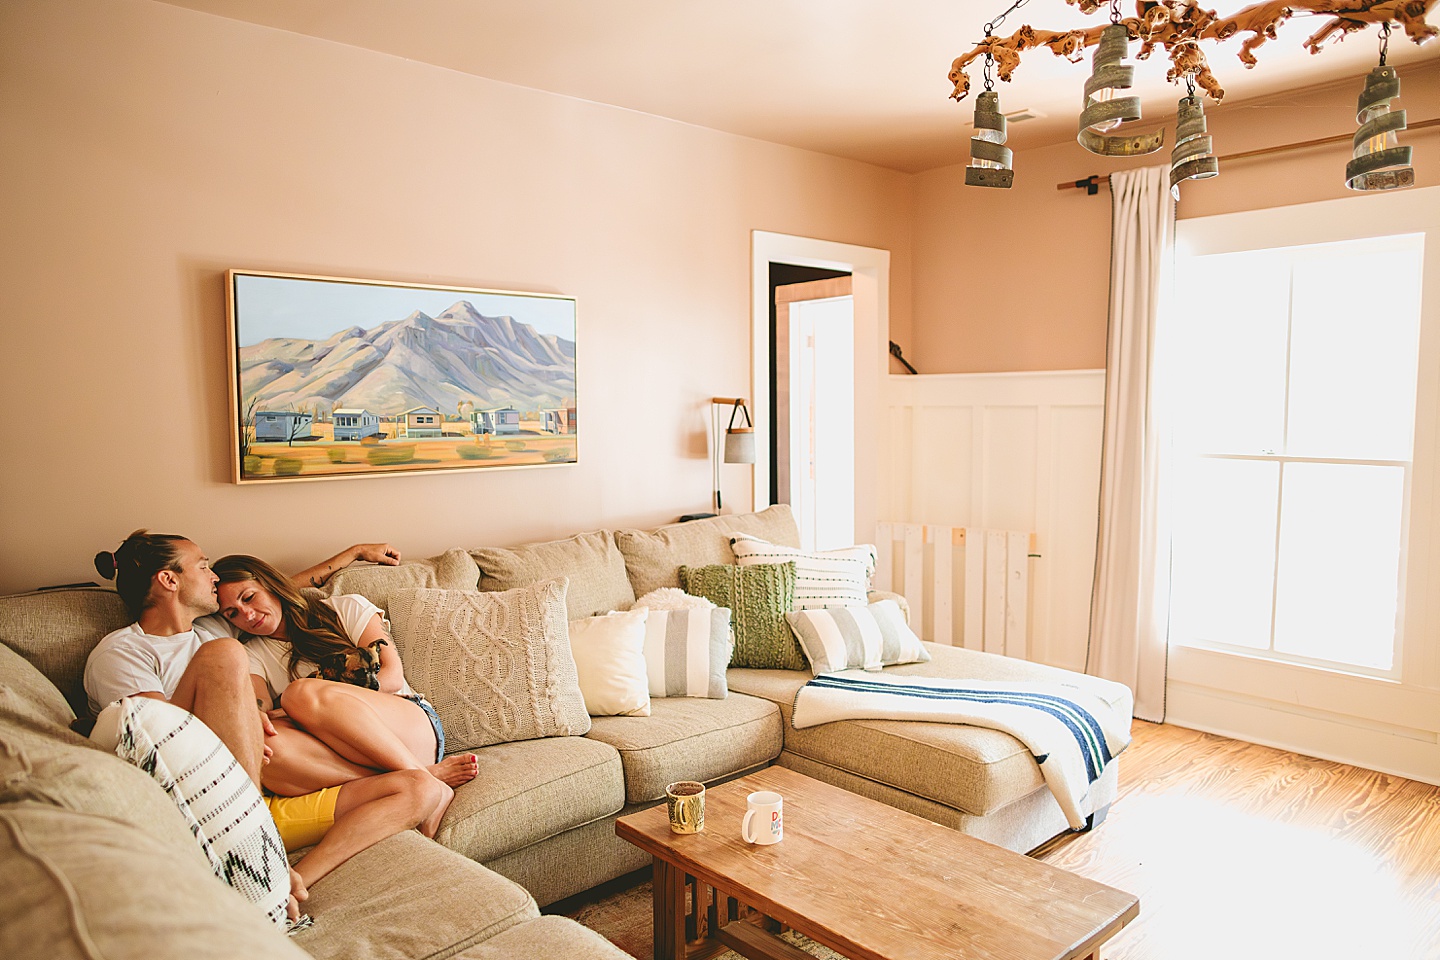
105	564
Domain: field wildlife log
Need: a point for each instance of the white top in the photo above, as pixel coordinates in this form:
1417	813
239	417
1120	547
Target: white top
270	658
131	661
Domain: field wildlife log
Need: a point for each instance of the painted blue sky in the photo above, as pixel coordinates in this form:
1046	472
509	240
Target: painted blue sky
314	309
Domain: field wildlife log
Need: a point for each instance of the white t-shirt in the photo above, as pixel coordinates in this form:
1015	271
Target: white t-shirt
131	661
270	658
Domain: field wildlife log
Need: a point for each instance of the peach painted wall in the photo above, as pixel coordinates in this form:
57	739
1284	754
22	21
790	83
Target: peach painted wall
1019	279
147	148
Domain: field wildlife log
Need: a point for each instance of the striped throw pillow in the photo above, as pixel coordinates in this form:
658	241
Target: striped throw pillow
687	651
824	578
844	638
224	809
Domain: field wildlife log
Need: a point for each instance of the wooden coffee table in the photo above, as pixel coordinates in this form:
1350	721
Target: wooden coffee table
865	879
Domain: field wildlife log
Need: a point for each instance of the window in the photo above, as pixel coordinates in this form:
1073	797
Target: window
1291	374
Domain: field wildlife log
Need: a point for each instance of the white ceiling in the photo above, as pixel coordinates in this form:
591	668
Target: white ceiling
853	78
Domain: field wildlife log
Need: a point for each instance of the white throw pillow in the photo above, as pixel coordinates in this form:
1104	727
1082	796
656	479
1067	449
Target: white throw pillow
823	578
609	656
844	638
216	797
687	651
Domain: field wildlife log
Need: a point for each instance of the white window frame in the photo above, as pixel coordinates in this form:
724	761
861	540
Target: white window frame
1240	244
1356	218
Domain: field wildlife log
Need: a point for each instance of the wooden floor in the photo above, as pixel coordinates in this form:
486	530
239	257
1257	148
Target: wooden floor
1237	852
1242	851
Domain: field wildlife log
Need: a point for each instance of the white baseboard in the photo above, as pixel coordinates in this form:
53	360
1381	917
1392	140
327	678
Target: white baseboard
1413	754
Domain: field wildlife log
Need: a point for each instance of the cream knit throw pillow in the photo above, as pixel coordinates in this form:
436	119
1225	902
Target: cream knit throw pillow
496	666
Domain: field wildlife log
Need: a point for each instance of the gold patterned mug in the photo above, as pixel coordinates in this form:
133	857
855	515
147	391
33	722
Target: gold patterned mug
685	800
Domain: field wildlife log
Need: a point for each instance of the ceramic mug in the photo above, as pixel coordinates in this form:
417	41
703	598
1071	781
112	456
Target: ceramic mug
685	800
764	813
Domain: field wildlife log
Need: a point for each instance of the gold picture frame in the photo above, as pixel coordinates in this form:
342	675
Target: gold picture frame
335	377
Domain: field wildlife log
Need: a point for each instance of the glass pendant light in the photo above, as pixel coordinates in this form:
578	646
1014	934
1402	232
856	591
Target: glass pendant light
989	160
1103	110
1192	158
1379	162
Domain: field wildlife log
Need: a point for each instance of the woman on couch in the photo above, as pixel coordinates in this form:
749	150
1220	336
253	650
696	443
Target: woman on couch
328	732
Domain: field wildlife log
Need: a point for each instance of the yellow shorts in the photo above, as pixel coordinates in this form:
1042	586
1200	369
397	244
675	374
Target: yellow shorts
303	820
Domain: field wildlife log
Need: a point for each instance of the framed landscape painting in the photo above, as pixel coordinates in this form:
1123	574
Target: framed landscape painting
332	377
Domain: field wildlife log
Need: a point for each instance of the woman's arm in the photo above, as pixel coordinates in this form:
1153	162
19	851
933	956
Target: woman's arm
381	553
392	672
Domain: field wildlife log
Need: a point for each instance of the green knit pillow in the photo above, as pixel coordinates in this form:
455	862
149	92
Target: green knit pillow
758	596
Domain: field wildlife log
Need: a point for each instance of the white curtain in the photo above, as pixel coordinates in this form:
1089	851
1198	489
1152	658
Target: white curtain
1130	603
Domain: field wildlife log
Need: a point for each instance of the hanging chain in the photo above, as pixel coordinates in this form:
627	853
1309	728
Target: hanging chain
1384	41
989	81
990	27
1190	85
1114	12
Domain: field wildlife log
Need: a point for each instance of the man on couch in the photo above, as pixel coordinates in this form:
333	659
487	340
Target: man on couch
178	650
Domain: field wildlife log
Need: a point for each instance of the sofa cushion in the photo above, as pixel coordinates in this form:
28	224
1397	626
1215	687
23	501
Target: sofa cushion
591	562
82	885
529	791
451	570
691	739
496	666
549	936
25	691
51	765
56	630
653	559
409	897
971	769
758	598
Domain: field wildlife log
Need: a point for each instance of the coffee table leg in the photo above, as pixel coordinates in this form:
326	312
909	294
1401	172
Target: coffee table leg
668	894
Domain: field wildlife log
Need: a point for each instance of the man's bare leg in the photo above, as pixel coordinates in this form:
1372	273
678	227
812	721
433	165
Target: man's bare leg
369	810
216	688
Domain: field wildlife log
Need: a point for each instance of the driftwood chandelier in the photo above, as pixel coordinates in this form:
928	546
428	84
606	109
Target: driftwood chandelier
1180	27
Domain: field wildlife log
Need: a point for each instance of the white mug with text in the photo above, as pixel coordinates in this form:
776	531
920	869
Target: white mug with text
764	814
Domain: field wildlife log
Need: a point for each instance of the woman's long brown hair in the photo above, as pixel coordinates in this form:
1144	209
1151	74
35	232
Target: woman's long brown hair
312	628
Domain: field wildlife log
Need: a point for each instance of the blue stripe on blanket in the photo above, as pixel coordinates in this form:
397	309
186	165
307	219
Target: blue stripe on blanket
1080	722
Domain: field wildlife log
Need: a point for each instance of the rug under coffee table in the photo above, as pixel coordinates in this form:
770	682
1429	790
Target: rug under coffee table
865	879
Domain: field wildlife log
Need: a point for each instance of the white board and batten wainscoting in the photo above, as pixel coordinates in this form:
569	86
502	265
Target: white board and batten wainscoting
1019	453
997	454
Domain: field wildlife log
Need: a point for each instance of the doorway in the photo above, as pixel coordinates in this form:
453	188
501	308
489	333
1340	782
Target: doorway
869	270
813	351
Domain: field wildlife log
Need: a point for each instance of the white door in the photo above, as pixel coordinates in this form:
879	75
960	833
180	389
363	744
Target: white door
815	409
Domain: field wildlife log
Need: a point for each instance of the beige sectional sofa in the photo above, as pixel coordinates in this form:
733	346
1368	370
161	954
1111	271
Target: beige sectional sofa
92	844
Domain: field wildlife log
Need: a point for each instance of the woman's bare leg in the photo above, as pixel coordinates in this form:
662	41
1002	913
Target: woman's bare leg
372	729
302	764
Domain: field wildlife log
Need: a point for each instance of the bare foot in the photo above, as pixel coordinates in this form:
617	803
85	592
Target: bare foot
431	823
453	771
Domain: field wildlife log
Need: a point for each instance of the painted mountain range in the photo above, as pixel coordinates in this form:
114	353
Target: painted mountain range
458	356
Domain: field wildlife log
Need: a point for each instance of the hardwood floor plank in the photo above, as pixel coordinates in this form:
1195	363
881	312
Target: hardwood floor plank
1247	851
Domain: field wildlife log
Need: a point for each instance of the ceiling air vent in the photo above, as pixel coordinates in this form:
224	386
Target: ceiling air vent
1023	114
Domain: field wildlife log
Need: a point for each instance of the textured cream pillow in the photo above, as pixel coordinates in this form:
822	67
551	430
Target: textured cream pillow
496	666
610	660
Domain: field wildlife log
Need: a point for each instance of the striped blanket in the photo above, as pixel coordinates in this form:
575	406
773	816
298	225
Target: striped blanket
1073	734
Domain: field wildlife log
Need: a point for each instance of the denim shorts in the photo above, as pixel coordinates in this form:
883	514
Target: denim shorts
424	704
